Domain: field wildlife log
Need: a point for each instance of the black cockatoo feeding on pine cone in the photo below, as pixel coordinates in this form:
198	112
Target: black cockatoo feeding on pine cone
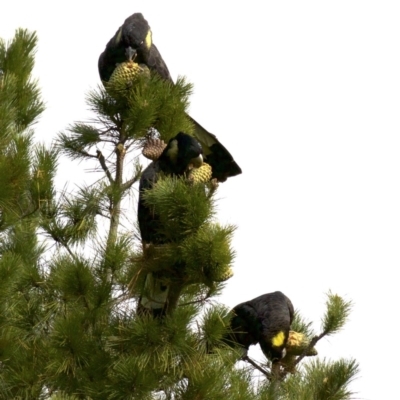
265	320
133	41
182	154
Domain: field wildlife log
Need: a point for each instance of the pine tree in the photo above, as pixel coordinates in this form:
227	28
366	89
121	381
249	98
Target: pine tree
72	266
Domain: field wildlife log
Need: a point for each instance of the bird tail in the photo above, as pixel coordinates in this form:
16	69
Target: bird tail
159	298
222	163
154	298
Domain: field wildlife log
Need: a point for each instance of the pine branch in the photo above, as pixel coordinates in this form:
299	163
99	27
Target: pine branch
115	199
337	312
128	184
313	342
201	300
63	243
255	365
102	161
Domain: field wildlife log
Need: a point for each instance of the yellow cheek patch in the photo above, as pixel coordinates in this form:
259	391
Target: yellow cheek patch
173	151
118	37
148	39
278	339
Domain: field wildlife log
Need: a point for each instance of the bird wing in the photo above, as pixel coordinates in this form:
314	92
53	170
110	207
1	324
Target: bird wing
222	163
113	54
245	325
148	222
156	63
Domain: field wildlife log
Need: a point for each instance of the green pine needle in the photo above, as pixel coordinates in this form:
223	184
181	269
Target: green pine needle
336	314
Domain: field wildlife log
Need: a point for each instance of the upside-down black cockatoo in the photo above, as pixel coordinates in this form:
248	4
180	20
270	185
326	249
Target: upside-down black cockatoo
265	320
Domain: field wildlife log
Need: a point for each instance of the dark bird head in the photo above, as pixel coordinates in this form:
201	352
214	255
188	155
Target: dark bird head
130	53
274	348
133	36
135	33
182	153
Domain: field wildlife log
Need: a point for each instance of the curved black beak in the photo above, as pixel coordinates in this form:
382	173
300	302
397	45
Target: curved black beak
130	53
197	162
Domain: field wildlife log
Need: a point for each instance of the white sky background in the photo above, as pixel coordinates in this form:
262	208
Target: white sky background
306	96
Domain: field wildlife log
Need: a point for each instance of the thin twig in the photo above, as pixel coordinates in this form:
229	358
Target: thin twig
131	181
105	131
312	343
202	300
121	298
85	153
255	365
104	166
65	245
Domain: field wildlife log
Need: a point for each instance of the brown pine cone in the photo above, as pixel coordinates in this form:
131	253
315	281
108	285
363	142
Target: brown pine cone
153	148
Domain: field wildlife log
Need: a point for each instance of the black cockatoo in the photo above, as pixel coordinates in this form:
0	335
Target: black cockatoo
182	153
265	320
135	36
